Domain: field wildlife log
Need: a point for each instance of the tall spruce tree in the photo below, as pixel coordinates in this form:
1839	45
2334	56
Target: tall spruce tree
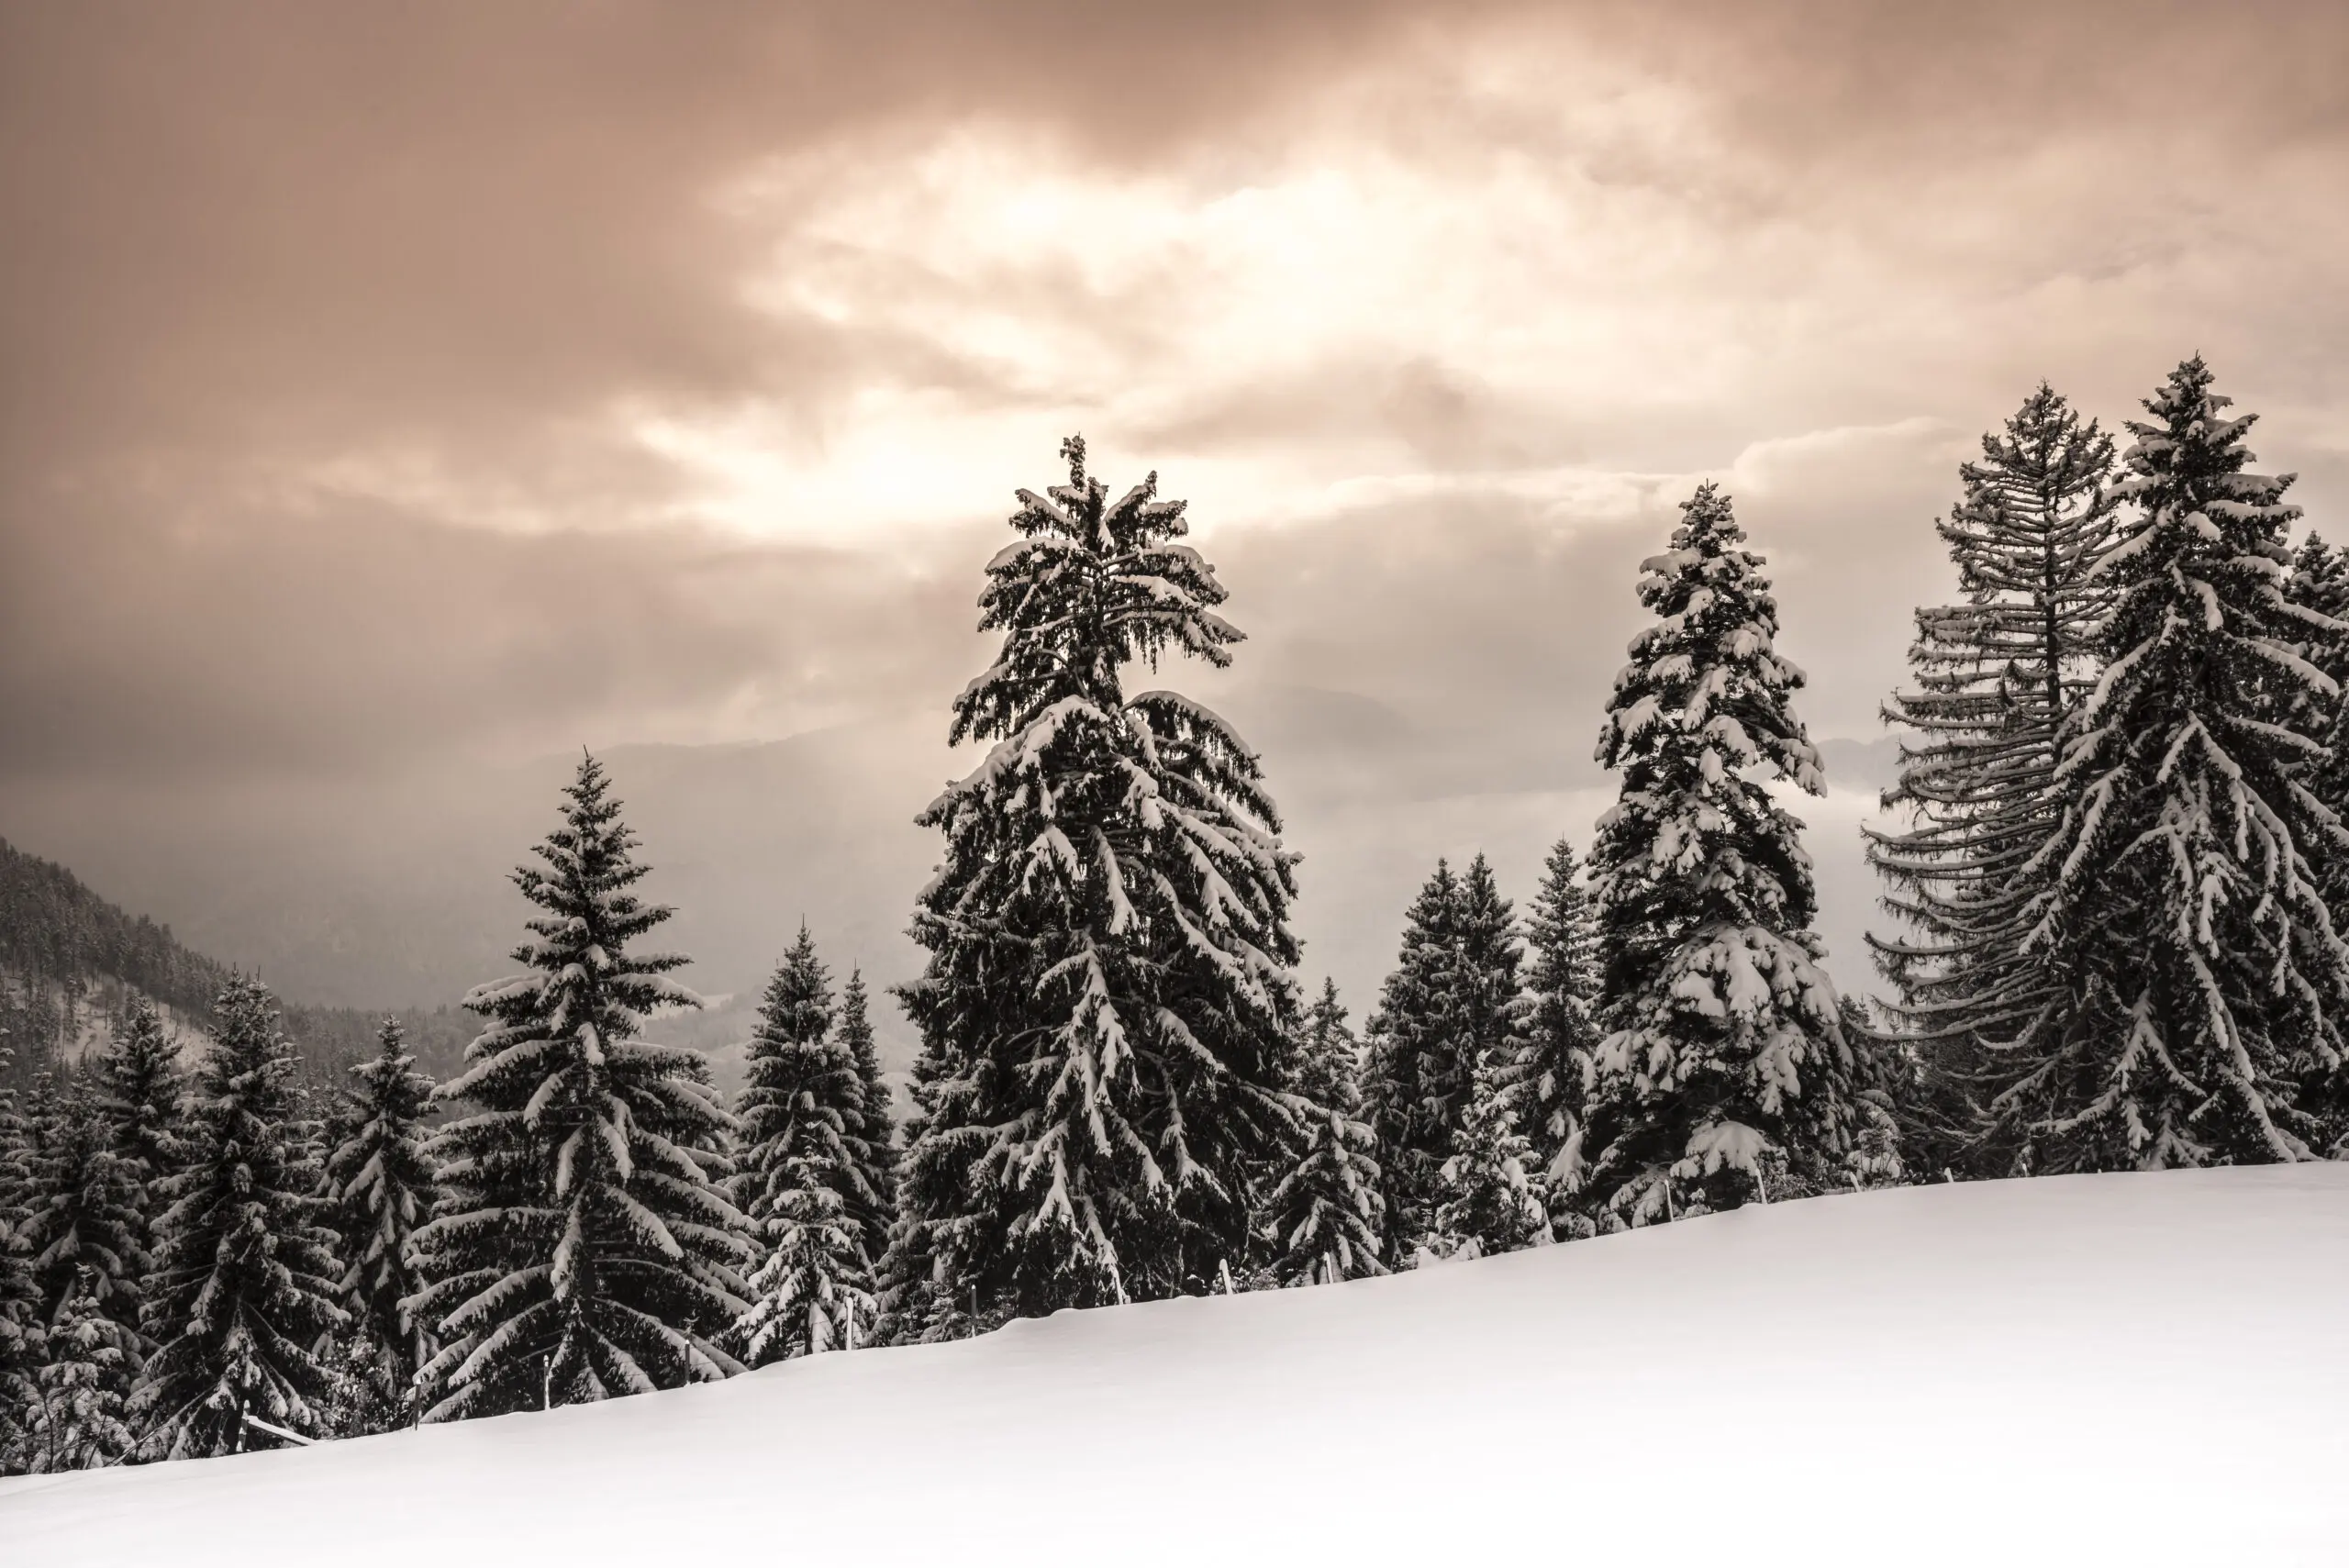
16	1142
140	1086
1104	1010
1725	1074
1996	677
1327	1217
1417	1077
1491	972
1453	1002
922	1297
1552	1078
81	1220
803	1185
42	1110
384	1189
874	1203
2320	581
245	1279
1492	1008
22	1341
2185	879
582	1249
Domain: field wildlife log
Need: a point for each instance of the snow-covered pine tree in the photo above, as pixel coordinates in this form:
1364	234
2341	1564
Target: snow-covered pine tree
1995	677
2185	897
82	1218
1215	895
920	1296
802	1184
1492	960
581	1248
1417	1076
139	1085
333	1121
2320	581
244	1283
1452	1002
1492	1020
1550	1080
78	1418
384	1189
1888	1079
1104	1010
875	1147
1327	1219
42	1113
21	1339
811	1290
16	1142
1492	1201
1724	1074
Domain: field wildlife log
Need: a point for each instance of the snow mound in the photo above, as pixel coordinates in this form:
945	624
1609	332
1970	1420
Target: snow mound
2149	1369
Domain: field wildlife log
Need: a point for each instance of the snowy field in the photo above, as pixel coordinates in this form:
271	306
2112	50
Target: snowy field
2148	1369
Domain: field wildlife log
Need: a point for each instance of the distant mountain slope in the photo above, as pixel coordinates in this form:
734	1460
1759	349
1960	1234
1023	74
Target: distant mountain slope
71	962
52	928
397	890
394	889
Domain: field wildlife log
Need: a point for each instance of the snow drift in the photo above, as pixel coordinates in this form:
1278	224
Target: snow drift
2148	1369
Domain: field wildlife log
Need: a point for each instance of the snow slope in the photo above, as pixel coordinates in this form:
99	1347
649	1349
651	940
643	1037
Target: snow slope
2148	1369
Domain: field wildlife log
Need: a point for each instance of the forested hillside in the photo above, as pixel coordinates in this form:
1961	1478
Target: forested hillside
70	964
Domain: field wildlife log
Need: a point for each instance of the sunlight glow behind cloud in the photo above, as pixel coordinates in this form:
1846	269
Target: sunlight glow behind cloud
666	373
1325	315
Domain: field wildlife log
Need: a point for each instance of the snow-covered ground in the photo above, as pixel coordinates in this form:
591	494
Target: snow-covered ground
2091	1370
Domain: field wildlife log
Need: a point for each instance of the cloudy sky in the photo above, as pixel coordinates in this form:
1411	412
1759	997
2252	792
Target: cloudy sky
393	398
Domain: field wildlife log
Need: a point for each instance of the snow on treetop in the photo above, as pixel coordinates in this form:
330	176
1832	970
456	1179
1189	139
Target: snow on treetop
1019	549
1197	712
1723	1143
1051	508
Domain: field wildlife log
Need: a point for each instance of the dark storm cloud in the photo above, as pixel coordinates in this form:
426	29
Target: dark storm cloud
245	237
249	238
243	644
247	221
1868	81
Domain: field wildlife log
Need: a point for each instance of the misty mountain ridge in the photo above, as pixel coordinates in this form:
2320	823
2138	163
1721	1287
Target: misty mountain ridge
72	965
746	840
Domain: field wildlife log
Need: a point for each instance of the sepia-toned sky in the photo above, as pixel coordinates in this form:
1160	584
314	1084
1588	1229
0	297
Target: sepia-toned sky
389	394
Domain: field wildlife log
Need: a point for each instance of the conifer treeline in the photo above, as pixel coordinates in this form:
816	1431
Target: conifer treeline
2119	866
2125	882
